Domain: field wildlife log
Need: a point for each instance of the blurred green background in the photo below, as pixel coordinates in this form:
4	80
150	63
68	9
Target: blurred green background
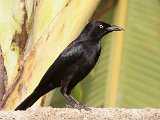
128	71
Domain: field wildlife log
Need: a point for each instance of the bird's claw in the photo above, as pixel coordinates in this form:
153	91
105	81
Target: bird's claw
78	106
85	107
69	106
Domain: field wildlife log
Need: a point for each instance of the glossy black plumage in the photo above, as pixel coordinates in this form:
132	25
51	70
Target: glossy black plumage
73	64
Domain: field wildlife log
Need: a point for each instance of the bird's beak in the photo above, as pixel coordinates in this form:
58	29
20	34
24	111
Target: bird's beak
114	28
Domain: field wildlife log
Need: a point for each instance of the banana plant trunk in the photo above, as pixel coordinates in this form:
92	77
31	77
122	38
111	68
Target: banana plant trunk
33	34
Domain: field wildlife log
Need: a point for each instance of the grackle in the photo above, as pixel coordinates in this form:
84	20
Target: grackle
72	65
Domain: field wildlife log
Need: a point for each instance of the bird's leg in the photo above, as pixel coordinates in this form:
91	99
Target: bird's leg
71	101
64	93
76	101
78	105
69	89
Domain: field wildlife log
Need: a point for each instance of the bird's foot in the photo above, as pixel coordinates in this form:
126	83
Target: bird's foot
78	106
69	106
84	107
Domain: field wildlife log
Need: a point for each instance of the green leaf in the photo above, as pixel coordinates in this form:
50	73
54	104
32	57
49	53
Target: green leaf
140	79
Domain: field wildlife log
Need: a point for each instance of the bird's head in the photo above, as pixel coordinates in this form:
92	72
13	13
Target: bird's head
99	29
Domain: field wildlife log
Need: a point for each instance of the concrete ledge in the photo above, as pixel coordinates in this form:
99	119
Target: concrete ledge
48	113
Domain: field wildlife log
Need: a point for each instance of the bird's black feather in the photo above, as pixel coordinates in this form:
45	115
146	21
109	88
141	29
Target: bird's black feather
72	65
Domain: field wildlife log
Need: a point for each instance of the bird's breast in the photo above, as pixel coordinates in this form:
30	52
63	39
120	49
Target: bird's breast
86	62
89	58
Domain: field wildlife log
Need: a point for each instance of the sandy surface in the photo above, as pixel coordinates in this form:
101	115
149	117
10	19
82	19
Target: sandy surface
48	113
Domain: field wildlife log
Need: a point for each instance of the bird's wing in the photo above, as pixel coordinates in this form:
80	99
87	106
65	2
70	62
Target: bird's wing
65	59
68	57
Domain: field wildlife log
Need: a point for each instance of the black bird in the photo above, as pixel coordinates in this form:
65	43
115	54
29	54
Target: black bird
72	65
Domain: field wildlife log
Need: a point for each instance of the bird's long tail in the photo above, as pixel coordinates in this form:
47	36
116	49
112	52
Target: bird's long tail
29	101
34	96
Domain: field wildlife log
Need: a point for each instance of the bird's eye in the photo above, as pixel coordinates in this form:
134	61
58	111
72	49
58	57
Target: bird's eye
100	26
